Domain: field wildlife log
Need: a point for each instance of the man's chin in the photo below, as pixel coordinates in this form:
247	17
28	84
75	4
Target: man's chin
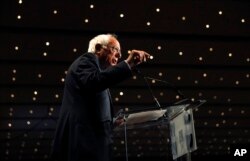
113	64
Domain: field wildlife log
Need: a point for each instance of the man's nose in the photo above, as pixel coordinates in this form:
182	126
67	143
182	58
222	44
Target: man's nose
118	55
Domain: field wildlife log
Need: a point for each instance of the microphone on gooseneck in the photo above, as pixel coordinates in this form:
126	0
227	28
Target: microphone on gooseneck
149	87
170	85
159	80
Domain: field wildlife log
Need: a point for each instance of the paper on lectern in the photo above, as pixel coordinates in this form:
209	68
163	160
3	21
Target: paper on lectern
145	116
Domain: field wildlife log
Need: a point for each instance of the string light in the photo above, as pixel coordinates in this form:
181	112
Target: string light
121	15
19	17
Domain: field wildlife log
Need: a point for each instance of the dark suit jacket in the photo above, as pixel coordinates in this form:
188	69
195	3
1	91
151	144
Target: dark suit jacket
83	128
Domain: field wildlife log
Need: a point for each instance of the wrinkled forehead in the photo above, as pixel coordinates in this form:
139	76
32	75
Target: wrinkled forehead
114	42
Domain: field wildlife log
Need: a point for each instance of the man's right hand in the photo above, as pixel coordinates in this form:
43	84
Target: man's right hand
137	57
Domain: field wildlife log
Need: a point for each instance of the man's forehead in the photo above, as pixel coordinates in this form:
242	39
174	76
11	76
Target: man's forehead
114	41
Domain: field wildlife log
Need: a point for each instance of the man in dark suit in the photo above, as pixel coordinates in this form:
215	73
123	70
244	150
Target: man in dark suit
84	127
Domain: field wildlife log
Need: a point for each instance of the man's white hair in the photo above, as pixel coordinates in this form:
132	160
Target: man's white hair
102	39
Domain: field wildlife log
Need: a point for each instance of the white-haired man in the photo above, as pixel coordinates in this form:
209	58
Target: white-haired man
84	128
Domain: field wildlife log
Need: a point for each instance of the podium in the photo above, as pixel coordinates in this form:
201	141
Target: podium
179	120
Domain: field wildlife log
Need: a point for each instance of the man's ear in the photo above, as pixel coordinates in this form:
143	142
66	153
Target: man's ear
98	47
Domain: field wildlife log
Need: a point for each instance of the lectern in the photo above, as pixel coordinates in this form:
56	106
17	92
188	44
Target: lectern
179	120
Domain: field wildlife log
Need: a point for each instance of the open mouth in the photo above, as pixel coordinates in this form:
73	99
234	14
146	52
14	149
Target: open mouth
114	61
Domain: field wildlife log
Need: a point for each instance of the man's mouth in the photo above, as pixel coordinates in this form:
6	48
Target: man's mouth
114	61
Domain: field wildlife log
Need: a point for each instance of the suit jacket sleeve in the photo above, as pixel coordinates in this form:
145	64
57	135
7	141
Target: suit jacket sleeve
89	76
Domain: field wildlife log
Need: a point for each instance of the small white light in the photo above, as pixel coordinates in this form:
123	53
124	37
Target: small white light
159	47
121	93
151	57
20	1
179	78
47	43
92	6
45	54
12	95
31	111
56	95
16	48
157	9
180	53
220	12
177	97
248	59
207	26
19	17
134	77
247	75
148	23
204	74
62	80
55	12
28	123
230	54
39	75
116	99
160	74
211	49
9	124
86	20
121	15
34	98
35	92
183	18
13	79
237	82
14	71
200	58
243	20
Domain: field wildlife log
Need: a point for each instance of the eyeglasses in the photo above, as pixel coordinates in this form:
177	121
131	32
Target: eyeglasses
113	49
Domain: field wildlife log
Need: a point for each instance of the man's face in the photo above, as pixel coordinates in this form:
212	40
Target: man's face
111	53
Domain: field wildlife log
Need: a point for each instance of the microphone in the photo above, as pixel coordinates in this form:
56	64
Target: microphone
170	85
149	87
159	80
152	94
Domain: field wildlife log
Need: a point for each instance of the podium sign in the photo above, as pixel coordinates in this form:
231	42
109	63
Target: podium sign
182	134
